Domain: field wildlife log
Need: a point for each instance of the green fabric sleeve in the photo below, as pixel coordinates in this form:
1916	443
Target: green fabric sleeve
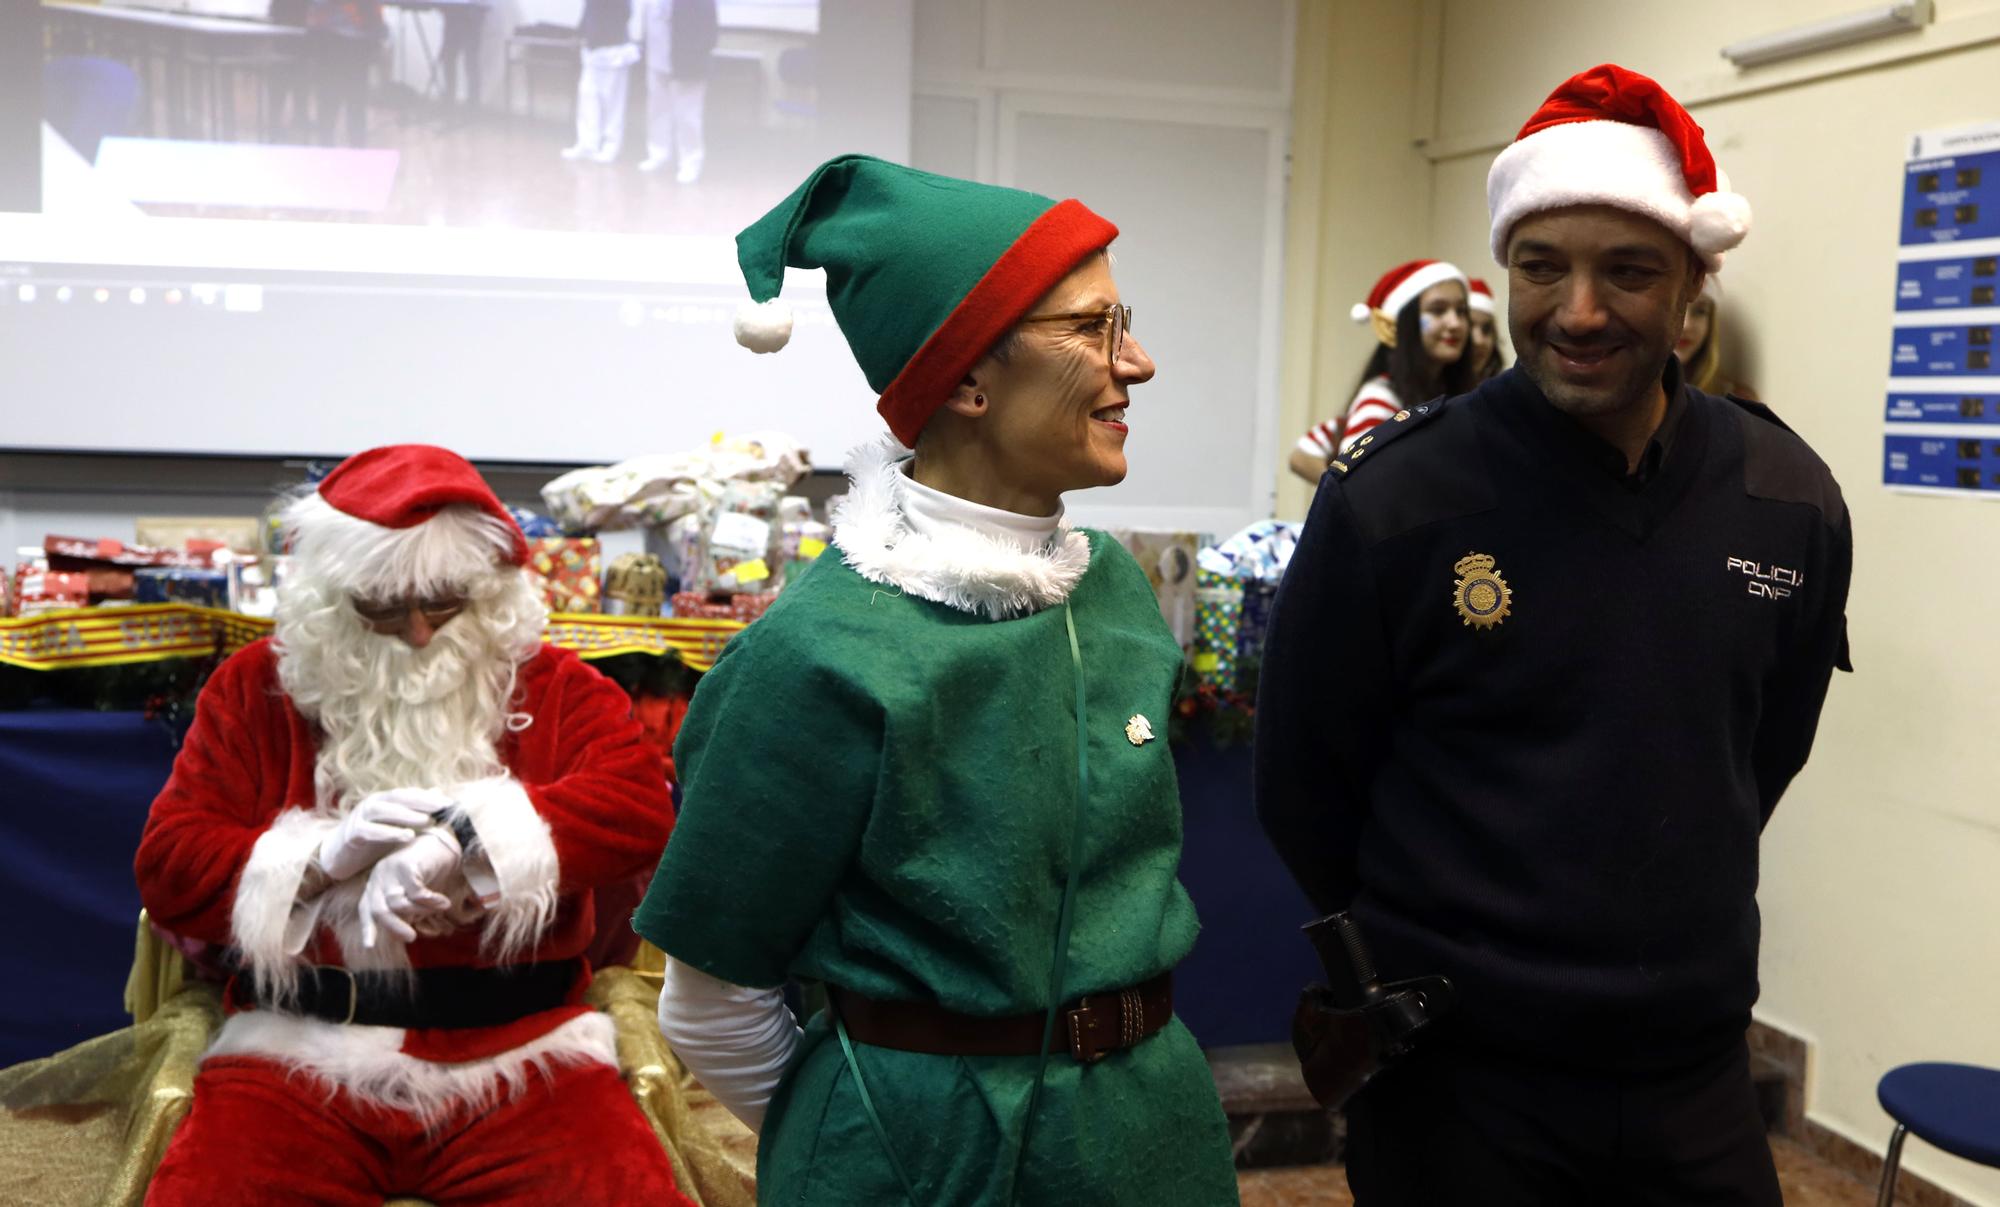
778	760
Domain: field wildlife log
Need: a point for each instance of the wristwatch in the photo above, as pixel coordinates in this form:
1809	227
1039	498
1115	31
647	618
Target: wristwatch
461	828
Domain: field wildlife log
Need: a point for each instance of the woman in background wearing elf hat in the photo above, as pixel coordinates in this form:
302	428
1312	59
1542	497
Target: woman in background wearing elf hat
1700	345
1418	313
1482	346
929	777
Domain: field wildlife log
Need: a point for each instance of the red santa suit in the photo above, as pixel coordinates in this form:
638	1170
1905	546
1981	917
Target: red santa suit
290	1106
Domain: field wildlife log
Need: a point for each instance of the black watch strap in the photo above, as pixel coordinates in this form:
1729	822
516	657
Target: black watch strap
461	828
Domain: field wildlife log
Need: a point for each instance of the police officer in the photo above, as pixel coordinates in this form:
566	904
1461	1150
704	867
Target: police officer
1546	658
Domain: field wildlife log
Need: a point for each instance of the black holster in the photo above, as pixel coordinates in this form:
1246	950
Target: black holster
1354	1026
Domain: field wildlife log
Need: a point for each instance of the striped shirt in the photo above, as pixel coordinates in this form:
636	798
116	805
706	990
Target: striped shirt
1374	403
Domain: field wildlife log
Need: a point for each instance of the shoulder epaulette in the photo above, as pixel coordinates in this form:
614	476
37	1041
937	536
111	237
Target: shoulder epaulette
1759	410
1382	433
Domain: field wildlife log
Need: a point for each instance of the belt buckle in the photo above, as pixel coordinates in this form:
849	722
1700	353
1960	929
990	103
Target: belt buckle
1084	1045
353	990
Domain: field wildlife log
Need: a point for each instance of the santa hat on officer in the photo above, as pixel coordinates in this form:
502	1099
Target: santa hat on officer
1397	288
402	519
1479	296
924	273
1613	137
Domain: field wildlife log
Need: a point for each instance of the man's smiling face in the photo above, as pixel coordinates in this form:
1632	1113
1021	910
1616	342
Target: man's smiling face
1595	301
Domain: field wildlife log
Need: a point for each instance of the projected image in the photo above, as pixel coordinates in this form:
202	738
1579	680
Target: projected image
619	116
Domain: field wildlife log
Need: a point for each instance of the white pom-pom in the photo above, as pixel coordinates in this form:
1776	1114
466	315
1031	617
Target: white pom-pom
764	326
1360	312
1718	221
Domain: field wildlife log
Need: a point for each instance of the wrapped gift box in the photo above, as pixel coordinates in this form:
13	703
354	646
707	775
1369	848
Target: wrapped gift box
1168	559
569	568
39	589
748	606
1218	628
695	605
178	584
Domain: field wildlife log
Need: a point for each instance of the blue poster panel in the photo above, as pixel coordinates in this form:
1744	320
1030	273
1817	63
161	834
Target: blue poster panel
1969	463
1955	284
1952	198
1960	407
1959	350
1941	417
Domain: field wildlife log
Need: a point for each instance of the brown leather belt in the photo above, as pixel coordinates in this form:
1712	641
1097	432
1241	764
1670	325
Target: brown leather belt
1093	1026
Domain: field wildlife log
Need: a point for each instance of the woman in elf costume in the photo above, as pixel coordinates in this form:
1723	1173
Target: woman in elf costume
929	777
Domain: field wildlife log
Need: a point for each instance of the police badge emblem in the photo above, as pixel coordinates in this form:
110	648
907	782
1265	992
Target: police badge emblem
1484	599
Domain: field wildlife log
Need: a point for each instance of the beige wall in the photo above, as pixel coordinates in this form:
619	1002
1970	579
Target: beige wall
1355	92
1881	890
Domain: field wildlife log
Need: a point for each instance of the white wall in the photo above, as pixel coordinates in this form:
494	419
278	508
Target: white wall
1360	199
1171	118
1882	867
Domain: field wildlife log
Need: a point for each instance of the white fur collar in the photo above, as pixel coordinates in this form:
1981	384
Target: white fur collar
960	568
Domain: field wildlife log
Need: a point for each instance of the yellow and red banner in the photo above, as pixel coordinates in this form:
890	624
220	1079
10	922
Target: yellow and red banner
79	637
698	641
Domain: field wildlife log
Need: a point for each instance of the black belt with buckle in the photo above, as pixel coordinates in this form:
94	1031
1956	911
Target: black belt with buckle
448	998
1093	1026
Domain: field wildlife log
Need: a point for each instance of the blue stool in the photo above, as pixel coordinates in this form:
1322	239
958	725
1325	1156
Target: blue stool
1954	1107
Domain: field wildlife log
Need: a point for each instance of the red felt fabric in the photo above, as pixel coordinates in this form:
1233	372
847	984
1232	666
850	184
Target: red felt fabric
1044	254
402	485
1609	92
252	1139
591	775
661	717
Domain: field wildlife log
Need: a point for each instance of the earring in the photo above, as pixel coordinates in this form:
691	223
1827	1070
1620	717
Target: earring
980	399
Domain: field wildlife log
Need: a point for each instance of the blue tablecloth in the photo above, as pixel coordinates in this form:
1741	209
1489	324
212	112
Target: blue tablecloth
74	790
76	786
1242	980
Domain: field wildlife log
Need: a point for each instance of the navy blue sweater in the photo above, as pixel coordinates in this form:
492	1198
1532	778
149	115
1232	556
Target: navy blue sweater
1554	794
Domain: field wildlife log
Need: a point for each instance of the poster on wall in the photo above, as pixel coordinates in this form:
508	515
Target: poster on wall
1941	425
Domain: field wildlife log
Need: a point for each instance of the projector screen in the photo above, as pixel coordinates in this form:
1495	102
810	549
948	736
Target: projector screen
302	227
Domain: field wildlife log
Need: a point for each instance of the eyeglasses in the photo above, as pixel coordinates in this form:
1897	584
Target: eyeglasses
393	616
1118	316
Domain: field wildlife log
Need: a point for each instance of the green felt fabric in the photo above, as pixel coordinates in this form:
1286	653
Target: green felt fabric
901	249
877	794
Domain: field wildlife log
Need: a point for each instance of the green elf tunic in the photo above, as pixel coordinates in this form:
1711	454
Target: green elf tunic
880	779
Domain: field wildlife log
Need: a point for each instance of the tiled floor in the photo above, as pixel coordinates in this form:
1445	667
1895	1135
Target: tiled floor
1807	1181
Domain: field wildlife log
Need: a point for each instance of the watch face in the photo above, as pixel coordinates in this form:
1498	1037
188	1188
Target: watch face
461	829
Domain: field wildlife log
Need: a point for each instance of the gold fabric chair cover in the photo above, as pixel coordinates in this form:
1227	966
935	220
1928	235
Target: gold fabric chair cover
86	1127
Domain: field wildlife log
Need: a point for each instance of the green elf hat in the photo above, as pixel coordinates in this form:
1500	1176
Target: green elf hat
924	273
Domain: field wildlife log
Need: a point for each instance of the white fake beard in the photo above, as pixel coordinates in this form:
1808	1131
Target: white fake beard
392	716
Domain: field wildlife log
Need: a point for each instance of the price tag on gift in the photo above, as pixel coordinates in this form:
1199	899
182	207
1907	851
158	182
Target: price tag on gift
752	571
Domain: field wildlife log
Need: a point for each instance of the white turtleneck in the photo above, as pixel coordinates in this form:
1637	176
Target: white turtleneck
925	510
738	1041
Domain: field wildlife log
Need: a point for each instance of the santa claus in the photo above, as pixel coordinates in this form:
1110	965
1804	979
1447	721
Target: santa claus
394	813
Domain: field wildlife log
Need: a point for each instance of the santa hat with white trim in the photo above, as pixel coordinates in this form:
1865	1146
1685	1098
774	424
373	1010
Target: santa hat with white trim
1613	137
924	273
404	517
1479	296
1396	289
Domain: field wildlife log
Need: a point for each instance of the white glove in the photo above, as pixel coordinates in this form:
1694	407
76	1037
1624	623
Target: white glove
399	889
377	824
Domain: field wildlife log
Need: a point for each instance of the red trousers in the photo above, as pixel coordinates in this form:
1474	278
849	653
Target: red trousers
257	1137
